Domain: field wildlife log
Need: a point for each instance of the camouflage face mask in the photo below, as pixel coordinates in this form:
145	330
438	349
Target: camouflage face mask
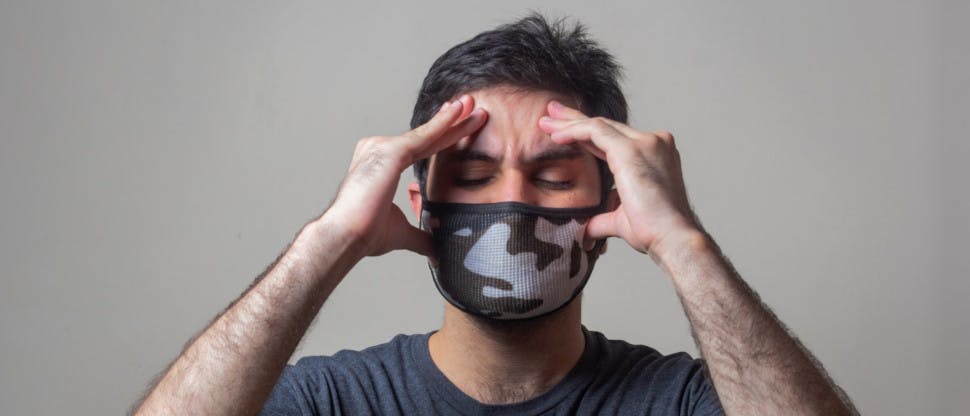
509	260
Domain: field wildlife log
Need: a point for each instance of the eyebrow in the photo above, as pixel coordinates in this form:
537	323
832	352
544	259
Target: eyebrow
555	154
469	155
558	153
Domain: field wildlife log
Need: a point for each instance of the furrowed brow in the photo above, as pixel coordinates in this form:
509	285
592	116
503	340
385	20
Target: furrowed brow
470	155
555	154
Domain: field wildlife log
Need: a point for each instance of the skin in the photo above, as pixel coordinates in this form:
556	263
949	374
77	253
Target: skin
757	367
509	159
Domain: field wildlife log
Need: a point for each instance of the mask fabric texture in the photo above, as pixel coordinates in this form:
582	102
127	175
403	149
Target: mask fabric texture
509	260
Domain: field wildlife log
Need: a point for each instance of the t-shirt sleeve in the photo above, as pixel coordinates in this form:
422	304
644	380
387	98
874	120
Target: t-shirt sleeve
701	399
288	396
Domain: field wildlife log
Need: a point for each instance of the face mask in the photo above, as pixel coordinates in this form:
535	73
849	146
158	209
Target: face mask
509	260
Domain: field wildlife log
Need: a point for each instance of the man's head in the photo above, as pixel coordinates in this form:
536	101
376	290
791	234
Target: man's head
516	68
514	73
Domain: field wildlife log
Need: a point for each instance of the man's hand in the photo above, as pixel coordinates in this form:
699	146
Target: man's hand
650	200
756	365
364	204
232	366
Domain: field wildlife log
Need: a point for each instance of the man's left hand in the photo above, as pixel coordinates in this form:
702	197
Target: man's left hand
650	199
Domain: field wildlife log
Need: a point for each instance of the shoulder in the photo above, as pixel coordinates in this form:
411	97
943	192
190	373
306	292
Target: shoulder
620	353
378	358
349	381
648	376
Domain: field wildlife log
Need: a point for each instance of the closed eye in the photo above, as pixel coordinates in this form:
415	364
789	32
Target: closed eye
472	183
555	185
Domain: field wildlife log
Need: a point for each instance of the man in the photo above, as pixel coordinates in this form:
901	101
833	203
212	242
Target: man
518	140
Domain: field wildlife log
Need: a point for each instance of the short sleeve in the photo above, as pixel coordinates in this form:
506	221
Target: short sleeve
287	398
701	399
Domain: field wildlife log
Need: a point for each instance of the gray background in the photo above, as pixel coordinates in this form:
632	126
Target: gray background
157	156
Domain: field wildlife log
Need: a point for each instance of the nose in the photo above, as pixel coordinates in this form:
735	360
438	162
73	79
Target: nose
515	187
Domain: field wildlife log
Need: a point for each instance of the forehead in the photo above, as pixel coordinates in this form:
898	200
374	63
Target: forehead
512	128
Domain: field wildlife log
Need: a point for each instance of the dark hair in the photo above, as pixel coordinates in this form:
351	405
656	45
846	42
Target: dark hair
532	55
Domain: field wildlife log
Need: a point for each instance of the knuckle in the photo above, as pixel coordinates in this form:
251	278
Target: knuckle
371	164
371	147
651	142
601	125
366	142
361	145
415	134
666	136
416	131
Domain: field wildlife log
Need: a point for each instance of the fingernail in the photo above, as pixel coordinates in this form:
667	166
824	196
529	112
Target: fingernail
445	106
555	104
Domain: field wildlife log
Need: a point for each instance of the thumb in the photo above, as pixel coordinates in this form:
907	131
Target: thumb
601	226
411	238
604	225
399	234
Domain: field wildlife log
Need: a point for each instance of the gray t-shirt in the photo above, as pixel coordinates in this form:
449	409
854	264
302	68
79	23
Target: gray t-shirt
611	378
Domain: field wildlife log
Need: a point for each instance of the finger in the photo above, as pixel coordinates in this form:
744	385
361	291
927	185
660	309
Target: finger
551	125
604	225
467	105
599	227
447	115
560	110
402	235
415	240
476	119
594	131
591	148
622	128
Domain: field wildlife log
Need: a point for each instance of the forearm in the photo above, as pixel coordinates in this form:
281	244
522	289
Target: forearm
233	365
757	367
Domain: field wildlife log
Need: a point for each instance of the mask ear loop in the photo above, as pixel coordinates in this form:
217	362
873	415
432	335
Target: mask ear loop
422	183
604	170
603	206
424	200
423	189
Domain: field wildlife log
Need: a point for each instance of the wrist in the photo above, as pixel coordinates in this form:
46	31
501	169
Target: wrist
677	247
328	248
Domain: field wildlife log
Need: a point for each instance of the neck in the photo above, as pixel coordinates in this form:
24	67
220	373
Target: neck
501	362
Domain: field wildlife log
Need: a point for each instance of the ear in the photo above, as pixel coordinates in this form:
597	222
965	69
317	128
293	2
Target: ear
414	195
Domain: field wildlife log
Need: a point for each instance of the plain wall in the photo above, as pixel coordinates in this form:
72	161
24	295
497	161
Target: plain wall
157	156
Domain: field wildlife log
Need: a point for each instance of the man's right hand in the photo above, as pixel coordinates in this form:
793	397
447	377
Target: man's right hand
364	206
232	366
